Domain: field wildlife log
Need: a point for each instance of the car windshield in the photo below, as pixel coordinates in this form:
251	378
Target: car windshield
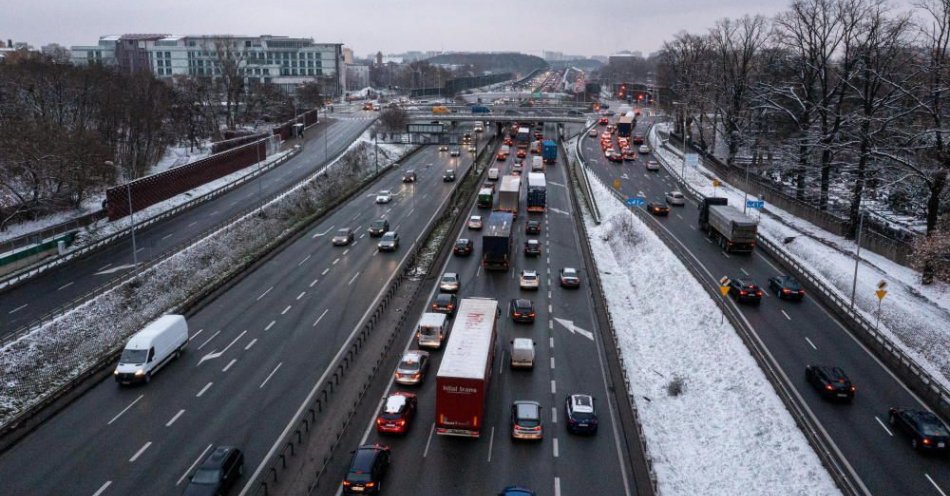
443	300
461	242
529	277
389	237
359	477
449	278
932	427
133	356
410	364
791	283
570	273
206	476
582	416
343	232
379	224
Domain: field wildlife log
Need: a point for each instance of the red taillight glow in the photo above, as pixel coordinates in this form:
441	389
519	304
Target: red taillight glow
786	291
927	440
380	421
743	293
346	483
829	387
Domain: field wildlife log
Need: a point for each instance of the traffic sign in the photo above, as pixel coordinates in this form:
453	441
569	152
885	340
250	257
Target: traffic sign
692	159
724	290
881	293
759	204
636	201
716	183
882	284
724	281
616	183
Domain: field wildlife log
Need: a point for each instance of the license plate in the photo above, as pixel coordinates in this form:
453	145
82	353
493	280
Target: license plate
582	425
842	395
941	445
357	489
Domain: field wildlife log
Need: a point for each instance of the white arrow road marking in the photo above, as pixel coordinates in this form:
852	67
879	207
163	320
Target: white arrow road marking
552	183
216	354
324	233
569	325
558	211
114	269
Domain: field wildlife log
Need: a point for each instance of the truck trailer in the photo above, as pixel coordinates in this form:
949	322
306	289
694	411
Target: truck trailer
625	125
496	241
734	231
549	152
537	192
509	195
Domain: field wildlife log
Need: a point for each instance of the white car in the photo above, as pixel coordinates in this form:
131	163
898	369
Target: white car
529	279
384	196
592	133
675	198
653	165
475	222
455	152
443	148
644	149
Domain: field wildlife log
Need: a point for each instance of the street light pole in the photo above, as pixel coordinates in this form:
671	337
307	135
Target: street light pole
128	196
376	146
683	169
857	255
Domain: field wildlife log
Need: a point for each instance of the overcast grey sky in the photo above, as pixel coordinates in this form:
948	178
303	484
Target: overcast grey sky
595	27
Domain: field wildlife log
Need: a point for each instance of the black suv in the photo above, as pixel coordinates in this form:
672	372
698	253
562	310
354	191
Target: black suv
532	227
378	227
522	310
445	303
745	291
925	429
217	472
831	382
367	469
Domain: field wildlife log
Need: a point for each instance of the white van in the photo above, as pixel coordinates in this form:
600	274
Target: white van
522	353
537	164
151	348
432	330
493	174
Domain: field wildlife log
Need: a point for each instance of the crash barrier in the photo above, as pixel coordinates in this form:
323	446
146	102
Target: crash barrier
37	237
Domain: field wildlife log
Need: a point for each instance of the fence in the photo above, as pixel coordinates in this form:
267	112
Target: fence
307	118
37	237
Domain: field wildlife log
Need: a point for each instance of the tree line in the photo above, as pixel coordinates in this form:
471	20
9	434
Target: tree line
69	132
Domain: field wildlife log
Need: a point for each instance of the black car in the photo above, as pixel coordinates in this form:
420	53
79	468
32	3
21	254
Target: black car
831	382
925	429
463	247
409	176
532	227
580	415
745	291
786	287
449	176
445	303
532	248
522	310
378	227
217	472
367	469
658	208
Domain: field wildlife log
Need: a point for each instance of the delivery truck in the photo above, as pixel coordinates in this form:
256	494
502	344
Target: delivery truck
549	152
496	241
537	192
625	125
509	195
734	231
465	372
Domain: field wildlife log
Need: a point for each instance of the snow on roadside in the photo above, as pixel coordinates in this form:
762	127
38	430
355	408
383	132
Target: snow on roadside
727	432
916	318
176	156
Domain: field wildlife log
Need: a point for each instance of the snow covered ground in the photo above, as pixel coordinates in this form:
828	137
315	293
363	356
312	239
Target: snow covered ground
916	317
727	432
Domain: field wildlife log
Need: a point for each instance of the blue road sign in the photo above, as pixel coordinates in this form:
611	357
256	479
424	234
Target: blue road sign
759	204
636	201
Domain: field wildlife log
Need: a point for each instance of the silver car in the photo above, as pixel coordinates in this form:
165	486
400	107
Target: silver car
675	198
412	368
343	237
653	165
449	282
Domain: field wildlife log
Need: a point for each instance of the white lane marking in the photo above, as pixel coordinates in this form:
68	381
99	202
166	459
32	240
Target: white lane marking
348	250
743	271
316	235
431	430
335	261
550	307
17	309
213	213
553	387
680	216
884	426
226	367
64	286
136	400
549	291
725	254
250	344
270	325
301	295
552	363
553	414
200	457
692	227
709	241
315	322
102	488
207	386
216	354
491	443
305	260
551	341
353	279
193	336
812	344
362	235
325	271
172	421
193	223
314	282
786	315
104	267
551	327
935	485
264	293
209	339
270	375
167	236
557	486
139	452
555	448
286	309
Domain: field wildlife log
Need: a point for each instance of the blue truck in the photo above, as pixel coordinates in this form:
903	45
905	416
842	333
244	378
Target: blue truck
549	151
480	109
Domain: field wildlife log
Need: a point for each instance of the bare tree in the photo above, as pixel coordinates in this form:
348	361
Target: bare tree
394	119
229	75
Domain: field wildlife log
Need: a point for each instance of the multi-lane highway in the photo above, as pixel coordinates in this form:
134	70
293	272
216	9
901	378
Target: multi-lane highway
30	300
799	334
566	362
255	351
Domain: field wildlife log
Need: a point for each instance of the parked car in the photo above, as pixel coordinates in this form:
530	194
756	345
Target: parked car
378	227
925	429
580	414
526	420
786	287
343	237
463	247
445	303
532	248
397	413
532	227
217	472
570	278
745	291
675	198
389	242
449	282
529	280
658	208
412	367
831	382
522	310
367	469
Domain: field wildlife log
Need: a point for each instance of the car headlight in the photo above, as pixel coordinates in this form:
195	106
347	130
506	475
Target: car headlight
140	372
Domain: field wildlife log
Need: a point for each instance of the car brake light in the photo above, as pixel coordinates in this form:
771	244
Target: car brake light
801	292
400	422
743	293
926	440
370	484
758	293
531	314
517	314
829	387
537	428
450	307
380	421
785	290
347	483
853	389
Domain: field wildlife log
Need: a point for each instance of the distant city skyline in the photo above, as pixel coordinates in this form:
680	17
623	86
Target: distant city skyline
601	28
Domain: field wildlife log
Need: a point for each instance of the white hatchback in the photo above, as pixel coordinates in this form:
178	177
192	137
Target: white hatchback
384	196
529	279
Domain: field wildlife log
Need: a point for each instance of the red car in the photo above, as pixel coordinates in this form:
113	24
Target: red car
603	121
397	413
508	141
637	140
521	154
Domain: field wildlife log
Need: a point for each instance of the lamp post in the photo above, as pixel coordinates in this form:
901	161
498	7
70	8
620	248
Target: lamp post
326	129
376	146
857	255
683	170
128	193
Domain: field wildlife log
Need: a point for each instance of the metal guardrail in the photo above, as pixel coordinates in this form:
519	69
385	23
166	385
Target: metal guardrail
320	396
905	367
580	172
36	237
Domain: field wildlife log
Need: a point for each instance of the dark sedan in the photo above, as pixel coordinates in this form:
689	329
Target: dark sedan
532	248
445	303
925	429
786	287
522	310
658	208
532	227
463	247
831	382
217	473
745	291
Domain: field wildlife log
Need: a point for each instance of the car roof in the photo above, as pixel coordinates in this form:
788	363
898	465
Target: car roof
527	272
522	302
527	409
582	403
395	403
217	457
533	242
444	296
569	269
450	274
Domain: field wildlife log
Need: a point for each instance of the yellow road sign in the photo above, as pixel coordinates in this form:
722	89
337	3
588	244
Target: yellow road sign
616	183
716	183
881	293
724	290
